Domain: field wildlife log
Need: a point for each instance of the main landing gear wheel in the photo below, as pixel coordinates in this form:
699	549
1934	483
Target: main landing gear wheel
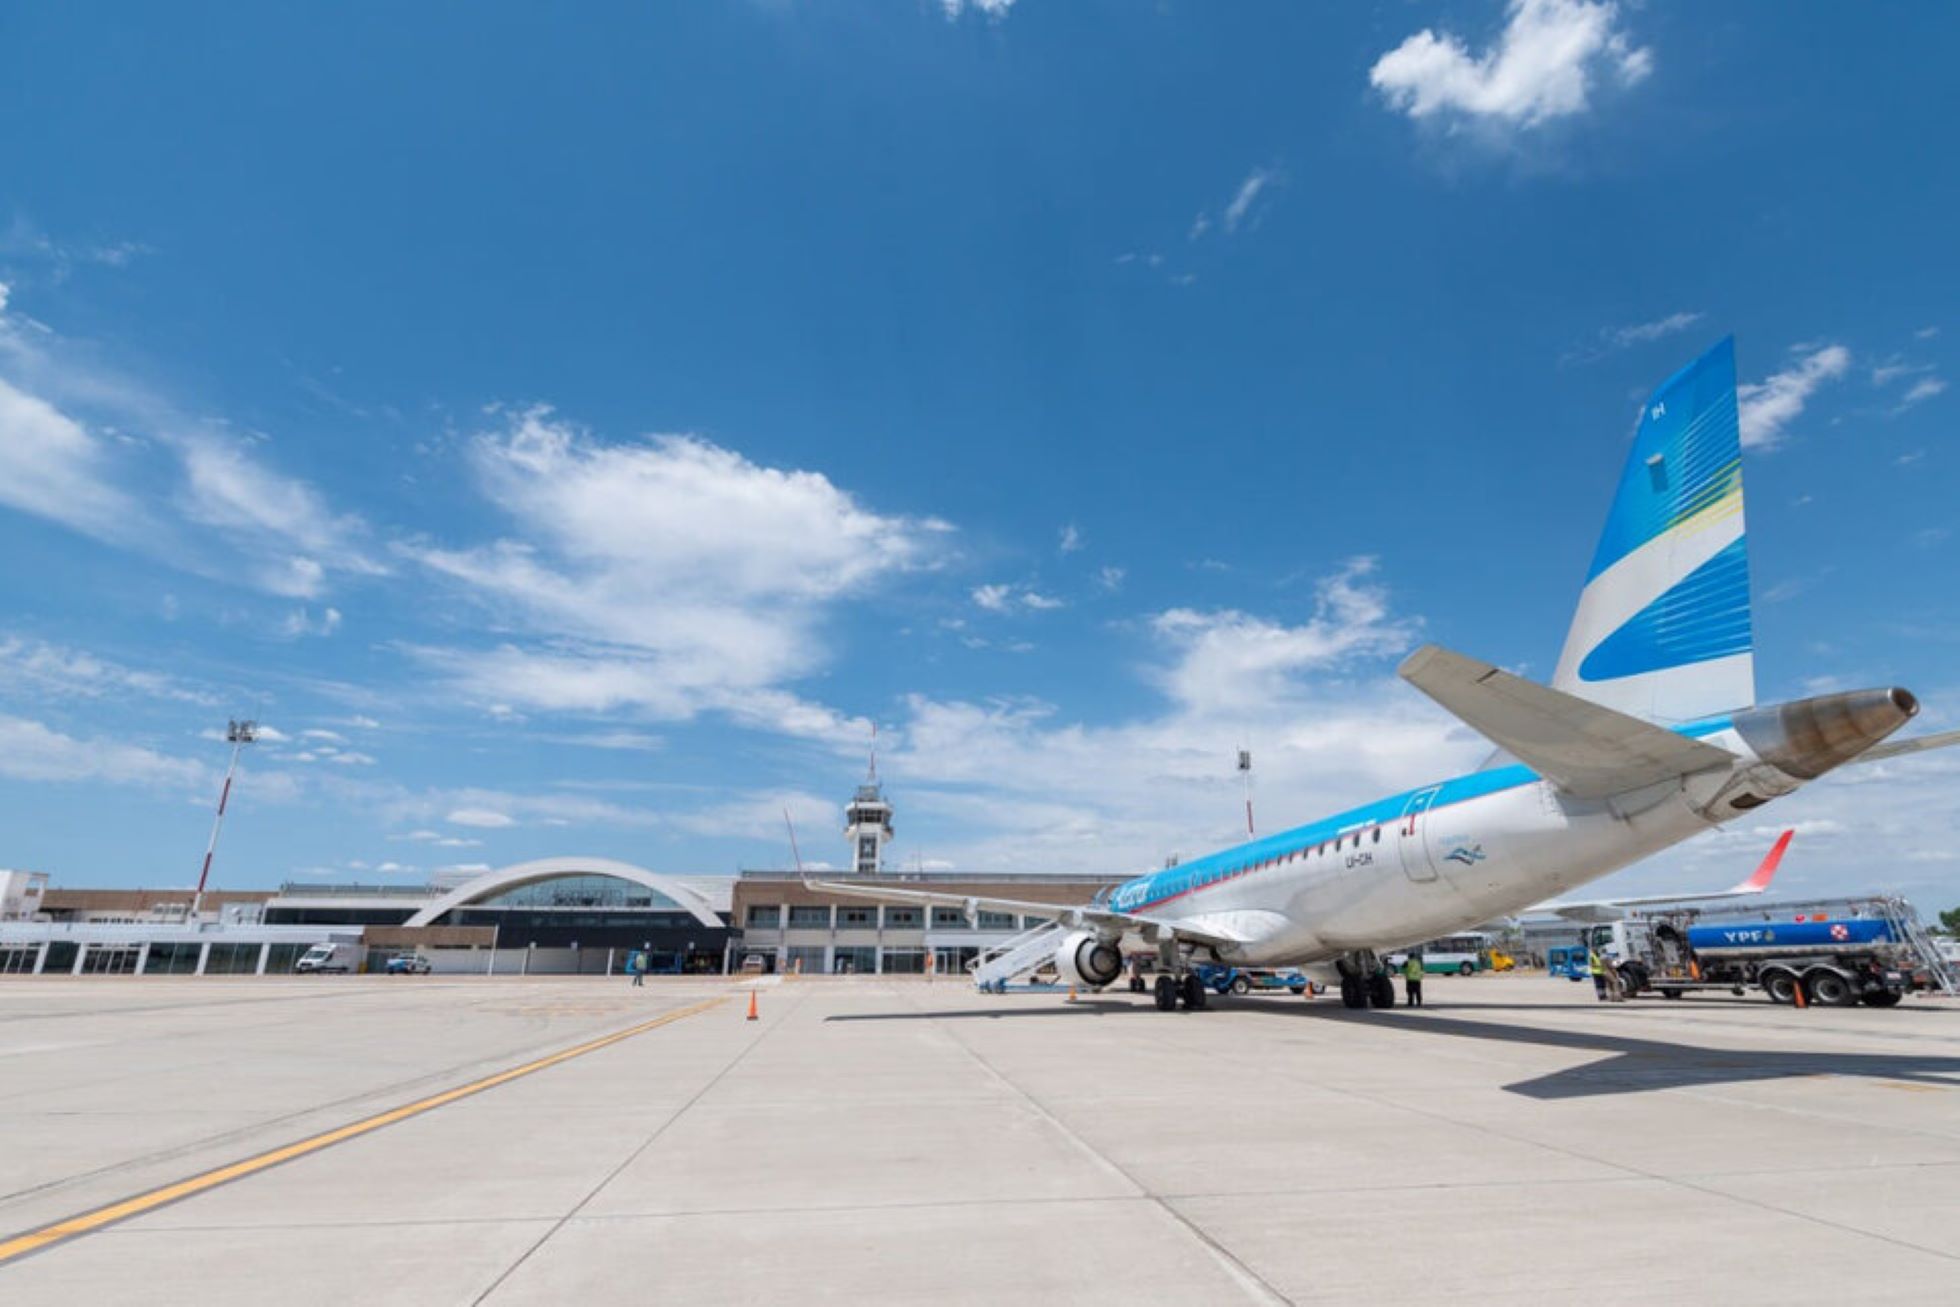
1354	993
1381	991
1194	993
1166	993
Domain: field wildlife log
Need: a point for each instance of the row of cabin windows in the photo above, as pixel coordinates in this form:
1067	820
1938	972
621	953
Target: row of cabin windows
1352	840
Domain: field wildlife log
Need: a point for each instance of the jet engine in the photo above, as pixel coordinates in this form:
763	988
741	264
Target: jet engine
1088	960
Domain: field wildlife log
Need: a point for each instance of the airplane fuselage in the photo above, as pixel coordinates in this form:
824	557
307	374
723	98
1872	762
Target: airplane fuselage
1439	859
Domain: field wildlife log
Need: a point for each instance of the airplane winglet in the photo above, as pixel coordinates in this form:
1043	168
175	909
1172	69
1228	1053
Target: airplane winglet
1759	879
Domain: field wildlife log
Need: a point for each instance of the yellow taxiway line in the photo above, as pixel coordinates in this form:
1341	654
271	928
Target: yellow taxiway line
89	1222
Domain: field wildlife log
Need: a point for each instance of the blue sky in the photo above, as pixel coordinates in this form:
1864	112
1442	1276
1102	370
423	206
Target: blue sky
573	438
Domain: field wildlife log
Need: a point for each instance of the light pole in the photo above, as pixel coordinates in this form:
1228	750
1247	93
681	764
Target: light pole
238	735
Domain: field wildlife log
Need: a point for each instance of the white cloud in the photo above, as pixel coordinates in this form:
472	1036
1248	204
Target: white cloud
481	818
270	514
31	751
5	291
1641	333
1245	197
41	668
1923	389
1111	578
671	574
1544	65
74	434
1071	539
993	598
331	737
1768	407
1329	726
1006	598
301	622
993	9
52	467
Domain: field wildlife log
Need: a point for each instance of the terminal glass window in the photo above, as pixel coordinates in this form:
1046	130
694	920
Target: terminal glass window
765	917
171	960
583	891
110	960
232	960
1029	923
996	921
854	961
857	918
809	961
807	916
281	957
18	961
948	919
904	961
904	918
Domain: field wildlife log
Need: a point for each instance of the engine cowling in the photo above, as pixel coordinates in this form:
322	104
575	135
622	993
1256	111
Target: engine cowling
1088	960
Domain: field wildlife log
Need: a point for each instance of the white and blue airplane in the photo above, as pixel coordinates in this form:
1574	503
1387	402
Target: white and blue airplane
1649	735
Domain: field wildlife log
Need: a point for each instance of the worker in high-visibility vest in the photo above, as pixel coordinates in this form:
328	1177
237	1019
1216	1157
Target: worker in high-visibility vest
1412	978
1596	968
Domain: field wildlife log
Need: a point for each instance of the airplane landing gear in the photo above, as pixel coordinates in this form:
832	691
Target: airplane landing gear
1166	993
1194	992
1364	984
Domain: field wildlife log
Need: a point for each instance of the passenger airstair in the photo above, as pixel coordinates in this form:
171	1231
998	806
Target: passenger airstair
1016	957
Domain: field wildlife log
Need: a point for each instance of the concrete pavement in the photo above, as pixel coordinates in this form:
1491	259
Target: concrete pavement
899	1141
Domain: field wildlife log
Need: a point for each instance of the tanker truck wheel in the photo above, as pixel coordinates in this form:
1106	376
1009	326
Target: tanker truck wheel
1780	987
1831	989
1883	998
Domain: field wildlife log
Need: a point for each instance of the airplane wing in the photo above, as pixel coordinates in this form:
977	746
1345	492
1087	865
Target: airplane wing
1085	914
1583	748
1603	909
1896	748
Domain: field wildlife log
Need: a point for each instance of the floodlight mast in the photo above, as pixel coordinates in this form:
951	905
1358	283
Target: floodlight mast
237	734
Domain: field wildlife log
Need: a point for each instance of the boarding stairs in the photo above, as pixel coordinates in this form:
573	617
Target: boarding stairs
1013	958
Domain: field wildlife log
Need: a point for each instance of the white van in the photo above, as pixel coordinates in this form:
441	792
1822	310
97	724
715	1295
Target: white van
332	957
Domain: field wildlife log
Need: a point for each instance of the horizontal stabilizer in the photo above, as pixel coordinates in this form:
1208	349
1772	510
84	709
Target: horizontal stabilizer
1585	749
1896	748
1615	909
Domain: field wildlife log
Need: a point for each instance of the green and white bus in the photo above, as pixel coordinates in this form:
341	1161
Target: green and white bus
1452	955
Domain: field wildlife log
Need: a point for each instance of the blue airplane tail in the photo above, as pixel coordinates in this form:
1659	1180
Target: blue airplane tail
1663	627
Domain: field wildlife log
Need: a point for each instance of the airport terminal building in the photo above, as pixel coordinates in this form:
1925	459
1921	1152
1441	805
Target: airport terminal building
567	915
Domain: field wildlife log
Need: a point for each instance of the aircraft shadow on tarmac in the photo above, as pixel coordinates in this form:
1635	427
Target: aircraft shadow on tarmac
1632	1065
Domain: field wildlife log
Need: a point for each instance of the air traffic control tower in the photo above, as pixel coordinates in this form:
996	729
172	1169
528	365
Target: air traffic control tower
868	825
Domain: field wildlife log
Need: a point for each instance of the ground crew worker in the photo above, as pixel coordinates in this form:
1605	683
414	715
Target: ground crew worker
1412	978
636	965
1596	968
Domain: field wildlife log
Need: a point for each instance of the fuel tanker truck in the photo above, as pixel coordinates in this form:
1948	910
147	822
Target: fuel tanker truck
1831	952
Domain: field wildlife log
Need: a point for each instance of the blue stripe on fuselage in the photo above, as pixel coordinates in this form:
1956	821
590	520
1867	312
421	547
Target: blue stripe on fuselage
1146	892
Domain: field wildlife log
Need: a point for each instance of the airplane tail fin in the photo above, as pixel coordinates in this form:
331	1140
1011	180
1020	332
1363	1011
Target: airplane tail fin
1663	629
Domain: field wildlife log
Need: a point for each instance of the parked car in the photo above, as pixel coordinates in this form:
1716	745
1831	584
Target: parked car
753	965
408	964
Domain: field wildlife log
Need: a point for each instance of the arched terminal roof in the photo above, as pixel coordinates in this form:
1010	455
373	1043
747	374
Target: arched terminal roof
492	883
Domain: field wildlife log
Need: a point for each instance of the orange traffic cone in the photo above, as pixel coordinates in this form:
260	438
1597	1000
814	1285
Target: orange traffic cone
1798	994
752	1012
1071	993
